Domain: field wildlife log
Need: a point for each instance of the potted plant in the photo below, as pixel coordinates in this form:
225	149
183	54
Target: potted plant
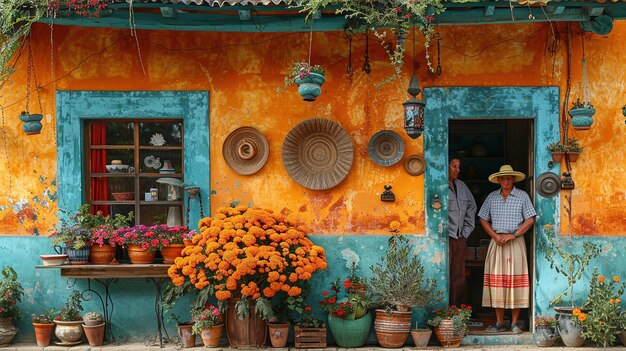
450	324
11	292
279	331
308	78
605	319
76	240
69	322
142	242
545	331
173	239
310	331
582	114
398	284
104	238
573	149
208	323
94	327
171	295
571	263
43	325
557	149
349	320
245	240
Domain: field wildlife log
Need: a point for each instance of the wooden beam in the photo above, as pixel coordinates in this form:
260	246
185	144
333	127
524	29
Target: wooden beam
115	271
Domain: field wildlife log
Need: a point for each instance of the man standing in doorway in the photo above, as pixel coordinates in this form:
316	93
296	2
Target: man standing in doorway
506	215
461	212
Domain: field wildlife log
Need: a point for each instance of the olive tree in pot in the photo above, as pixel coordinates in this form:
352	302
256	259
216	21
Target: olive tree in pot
398	284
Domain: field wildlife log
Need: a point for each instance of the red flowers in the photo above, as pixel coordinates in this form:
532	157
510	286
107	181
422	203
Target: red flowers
347	284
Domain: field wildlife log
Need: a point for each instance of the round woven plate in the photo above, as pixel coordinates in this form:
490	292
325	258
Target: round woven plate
386	148
415	165
318	153
548	184
245	150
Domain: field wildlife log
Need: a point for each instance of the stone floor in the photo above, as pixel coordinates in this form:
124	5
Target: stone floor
171	347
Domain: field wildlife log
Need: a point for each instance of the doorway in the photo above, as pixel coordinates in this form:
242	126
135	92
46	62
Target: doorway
539	104
483	146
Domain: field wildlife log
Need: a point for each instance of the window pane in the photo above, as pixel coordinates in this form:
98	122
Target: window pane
161	134
102	161
159	214
160	161
112	133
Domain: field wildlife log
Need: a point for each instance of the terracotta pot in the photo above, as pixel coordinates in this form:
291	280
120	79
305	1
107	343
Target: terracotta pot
69	332
170	252
95	334
138	255
187	242
421	336
557	156
102	254
188	339
211	336
279	332
445	334
573	156
7	331
392	329
247	332
43	332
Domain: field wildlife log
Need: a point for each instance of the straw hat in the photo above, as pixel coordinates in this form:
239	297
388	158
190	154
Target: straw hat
507	170
245	150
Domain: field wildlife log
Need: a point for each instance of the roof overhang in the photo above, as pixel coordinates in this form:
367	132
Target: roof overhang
277	16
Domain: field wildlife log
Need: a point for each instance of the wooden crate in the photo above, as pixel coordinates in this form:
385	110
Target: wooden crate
310	338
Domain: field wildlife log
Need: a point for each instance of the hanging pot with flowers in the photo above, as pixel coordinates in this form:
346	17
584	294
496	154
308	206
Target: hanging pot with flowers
245	256
397	15
309	80
581	114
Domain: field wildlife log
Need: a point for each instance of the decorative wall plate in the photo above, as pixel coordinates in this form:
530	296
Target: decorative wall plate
415	165
245	150
318	153
548	184
386	148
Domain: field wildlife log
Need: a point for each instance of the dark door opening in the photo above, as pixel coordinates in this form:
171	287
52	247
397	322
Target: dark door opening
482	147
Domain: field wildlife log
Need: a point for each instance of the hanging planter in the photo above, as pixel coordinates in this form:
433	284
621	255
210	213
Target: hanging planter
309	80
582	115
32	124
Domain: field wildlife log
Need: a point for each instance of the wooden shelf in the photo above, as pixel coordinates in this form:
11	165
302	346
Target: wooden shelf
111	270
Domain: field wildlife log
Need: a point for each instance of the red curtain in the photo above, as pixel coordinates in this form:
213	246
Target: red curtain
99	186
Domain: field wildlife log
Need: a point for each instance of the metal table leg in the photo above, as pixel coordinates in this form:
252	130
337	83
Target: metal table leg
162	334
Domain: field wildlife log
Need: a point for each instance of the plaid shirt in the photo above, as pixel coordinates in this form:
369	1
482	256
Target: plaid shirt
507	215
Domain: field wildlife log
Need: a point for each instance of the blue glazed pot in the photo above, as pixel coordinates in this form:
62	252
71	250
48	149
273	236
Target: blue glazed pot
545	336
350	333
31	122
309	87
80	256
582	118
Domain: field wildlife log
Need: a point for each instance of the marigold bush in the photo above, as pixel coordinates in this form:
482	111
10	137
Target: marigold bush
248	253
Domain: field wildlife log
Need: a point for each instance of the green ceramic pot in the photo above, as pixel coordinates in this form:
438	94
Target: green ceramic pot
350	333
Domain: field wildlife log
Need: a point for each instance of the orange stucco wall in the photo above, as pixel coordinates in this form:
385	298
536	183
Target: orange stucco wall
242	72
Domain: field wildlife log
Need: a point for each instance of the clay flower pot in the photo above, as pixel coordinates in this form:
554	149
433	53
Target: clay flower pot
421	336
211	336
188	339
279	332
95	334
69	332
43	333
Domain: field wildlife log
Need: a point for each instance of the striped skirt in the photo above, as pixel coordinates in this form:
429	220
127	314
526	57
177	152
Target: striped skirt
506	282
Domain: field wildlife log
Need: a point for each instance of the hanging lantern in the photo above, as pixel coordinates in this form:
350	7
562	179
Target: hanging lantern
414	110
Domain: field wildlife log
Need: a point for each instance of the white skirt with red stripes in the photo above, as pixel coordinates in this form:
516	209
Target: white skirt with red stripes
506	283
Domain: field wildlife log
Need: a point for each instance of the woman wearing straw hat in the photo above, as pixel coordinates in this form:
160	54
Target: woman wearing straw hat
506	215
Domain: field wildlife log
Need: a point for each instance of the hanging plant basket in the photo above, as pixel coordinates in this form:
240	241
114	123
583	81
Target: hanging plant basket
582	118
309	87
32	124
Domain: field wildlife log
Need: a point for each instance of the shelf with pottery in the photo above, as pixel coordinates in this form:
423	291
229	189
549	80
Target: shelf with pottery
107	274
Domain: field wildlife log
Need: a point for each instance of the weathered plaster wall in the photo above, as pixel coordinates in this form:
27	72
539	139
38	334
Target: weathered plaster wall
242	72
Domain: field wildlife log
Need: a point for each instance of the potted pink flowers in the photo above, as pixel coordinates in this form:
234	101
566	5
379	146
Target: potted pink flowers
208	322
308	78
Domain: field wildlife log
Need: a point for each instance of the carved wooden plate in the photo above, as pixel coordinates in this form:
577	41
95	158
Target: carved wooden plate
415	165
386	148
245	150
318	153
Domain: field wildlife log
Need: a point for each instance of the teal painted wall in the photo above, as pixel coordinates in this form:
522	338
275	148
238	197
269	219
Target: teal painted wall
133	299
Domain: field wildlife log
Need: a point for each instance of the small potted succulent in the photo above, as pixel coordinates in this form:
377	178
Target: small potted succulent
308	78
582	114
557	150
94	327
572	150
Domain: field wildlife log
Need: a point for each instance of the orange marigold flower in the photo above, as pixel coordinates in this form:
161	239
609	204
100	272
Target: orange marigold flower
394	226
615	278
600	279
294	291
576	311
547	226
223	295
582	317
